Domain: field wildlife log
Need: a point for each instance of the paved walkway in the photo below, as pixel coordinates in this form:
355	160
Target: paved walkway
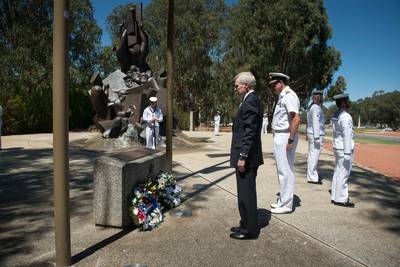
315	234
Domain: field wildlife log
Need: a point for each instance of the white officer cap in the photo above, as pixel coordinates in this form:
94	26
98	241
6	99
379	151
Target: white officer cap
340	96
277	76
318	92
153	99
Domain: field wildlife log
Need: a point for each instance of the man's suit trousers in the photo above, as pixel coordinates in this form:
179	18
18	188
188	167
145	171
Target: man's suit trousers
247	200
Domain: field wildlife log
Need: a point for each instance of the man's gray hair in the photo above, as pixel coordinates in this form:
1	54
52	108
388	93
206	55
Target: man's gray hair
246	77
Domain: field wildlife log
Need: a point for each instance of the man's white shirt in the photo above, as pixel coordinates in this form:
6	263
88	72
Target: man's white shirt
287	102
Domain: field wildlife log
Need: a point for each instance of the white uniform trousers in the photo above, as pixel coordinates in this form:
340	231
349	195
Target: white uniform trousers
216	128
149	137
264	128
314	150
340	186
285	167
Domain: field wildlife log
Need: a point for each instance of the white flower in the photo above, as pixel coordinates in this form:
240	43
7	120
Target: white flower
135	211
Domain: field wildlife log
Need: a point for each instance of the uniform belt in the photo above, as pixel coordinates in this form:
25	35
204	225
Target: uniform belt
313	134
281	131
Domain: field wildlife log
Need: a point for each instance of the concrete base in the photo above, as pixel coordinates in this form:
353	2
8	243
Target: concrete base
115	174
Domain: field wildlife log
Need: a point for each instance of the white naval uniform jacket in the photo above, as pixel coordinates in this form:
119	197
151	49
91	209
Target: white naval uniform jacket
148	116
315	121
342	125
287	102
217	119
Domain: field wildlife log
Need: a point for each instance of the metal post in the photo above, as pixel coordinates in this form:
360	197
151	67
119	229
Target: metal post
60	133
170	79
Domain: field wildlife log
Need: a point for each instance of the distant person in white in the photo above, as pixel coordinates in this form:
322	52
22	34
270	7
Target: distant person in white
1	122
265	124
343	146
152	116
285	124
217	121
315	136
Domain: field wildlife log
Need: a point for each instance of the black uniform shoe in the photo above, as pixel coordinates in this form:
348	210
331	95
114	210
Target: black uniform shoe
236	229
347	204
311	182
241	236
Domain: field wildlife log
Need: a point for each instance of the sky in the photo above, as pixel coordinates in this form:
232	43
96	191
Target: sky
366	32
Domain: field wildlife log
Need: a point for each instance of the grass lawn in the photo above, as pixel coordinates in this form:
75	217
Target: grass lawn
375	141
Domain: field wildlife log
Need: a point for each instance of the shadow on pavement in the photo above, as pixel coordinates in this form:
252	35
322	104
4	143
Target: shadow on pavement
105	242
264	216
26	199
366	186
207	170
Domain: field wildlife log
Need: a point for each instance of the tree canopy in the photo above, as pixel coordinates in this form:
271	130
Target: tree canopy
288	36
26	63
213	42
379	109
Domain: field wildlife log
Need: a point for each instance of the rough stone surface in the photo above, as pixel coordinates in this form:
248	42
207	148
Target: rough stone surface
114	177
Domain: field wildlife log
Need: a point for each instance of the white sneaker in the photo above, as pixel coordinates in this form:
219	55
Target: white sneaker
280	210
274	205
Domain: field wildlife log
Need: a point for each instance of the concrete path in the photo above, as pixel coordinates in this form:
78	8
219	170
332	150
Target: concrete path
315	234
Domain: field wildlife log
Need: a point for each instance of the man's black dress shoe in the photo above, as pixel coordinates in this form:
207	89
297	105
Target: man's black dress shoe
236	229
311	182
241	236
347	204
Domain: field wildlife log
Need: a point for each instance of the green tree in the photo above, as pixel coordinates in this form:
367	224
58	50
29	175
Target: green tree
381	109
338	88
107	61
288	36
197	31
26	63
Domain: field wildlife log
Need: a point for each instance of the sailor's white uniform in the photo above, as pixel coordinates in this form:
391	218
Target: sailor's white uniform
148	114
217	121
287	102
315	136
265	125
343	146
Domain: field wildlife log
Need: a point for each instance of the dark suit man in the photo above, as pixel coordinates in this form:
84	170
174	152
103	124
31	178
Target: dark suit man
246	154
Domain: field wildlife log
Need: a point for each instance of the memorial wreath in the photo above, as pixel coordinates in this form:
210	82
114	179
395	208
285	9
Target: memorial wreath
151	198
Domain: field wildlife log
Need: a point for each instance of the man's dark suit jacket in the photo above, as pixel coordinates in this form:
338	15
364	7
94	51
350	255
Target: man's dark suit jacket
246	138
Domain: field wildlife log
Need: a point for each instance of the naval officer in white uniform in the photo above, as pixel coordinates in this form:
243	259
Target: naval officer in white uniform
265	124
343	146
315	136
285	124
217	121
152	115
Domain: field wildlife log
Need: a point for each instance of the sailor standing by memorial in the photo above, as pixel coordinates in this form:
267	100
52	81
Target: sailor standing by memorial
265	124
152	116
315	136
217	122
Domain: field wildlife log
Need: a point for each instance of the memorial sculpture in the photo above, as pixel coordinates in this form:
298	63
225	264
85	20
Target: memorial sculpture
123	94
119	99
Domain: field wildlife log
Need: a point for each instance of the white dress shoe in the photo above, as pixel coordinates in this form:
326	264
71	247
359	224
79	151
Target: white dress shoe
280	210
274	205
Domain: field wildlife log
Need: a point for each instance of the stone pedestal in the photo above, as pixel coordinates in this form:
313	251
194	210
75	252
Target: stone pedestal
115	174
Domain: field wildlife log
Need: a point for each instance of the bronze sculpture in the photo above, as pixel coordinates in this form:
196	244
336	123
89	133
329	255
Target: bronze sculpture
127	88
